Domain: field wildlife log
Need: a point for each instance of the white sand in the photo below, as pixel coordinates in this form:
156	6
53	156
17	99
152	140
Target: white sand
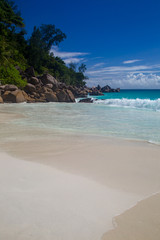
72	187
41	203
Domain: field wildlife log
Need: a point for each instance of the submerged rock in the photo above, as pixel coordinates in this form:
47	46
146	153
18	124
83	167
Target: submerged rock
86	100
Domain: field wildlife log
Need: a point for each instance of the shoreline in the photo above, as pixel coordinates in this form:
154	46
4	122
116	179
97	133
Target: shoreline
98	178
138	219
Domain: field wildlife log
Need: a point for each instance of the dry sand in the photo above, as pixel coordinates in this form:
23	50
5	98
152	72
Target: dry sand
40	203
68	188
141	222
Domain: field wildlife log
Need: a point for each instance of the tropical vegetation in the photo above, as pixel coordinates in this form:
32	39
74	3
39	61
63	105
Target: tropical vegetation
17	52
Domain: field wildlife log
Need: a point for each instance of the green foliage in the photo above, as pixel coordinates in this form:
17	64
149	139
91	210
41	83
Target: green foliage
16	51
8	14
40	43
10	75
51	36
82	68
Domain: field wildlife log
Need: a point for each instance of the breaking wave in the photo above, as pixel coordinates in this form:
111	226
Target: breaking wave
132	103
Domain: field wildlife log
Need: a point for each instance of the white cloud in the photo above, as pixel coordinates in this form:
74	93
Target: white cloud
68	57
131	61
73	60
98	65
119	69
142	80
143	76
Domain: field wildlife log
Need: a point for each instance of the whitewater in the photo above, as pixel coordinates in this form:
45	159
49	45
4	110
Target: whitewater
132	103
127	115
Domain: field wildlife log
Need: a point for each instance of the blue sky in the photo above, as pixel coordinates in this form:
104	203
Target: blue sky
118	40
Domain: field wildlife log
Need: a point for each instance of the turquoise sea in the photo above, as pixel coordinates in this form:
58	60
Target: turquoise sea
130	114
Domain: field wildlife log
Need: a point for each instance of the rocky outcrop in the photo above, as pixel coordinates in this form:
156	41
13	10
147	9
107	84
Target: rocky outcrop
107	89
46	88
98	91
43	88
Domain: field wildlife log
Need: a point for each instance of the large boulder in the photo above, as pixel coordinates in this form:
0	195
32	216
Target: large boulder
13	96
29	88
49	79
1	99
62	96
25	95
10	87
71	96
2	87
65	96
34	80
51	97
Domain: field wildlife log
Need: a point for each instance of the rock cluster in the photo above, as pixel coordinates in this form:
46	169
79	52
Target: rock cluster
98	91
38	89
46	88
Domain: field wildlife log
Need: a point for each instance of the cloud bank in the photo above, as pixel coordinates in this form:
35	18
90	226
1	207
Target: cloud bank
138	76
130	75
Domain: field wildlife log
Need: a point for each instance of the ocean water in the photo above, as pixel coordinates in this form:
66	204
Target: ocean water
130	114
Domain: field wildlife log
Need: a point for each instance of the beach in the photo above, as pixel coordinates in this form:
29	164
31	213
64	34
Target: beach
76	186
79	120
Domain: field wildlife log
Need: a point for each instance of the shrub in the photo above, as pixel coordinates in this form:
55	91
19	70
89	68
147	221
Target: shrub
10	75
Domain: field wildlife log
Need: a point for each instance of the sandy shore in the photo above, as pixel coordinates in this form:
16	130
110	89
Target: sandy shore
141	222
72	187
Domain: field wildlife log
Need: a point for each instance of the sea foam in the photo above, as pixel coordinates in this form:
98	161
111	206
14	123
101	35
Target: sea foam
132	103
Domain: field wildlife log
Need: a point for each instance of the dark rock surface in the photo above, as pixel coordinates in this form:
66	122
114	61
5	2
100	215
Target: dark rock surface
86	100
